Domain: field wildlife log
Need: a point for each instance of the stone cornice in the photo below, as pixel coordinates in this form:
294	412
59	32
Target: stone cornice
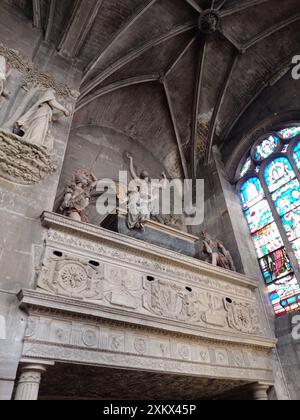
98	234
36	303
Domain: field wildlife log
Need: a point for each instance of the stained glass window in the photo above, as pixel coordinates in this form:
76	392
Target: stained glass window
290	132
271	204
278	173
251	192
287	198
266	148
275	265
297	155
296	249
285	295
259	216
291	223
267	239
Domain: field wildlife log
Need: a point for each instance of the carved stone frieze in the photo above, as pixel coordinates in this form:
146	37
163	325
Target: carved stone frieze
141	260
171	300
33	76
22	162
72	277
103	344
111	285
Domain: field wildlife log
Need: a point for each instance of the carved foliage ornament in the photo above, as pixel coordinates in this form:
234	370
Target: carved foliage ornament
34	76
66	277
22	162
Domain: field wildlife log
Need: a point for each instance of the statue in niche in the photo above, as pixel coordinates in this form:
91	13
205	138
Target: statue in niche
77	196
34	126
5	71
218	255
141	197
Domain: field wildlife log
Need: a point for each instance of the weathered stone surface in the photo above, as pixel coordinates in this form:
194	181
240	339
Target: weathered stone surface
154	233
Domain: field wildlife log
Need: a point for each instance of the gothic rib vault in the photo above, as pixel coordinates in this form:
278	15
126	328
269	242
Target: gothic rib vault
205	61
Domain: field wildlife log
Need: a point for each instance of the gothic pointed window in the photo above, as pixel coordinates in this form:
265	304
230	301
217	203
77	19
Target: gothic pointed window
269	188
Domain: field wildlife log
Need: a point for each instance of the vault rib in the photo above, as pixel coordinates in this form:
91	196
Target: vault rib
88	87
243	6
121	32
218	106
175	128
83	101
196	104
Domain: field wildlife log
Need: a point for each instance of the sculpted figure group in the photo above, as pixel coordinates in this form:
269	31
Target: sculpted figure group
77	196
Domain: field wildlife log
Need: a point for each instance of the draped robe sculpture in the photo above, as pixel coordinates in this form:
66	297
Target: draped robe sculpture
218	255
4	73
141	197
34	126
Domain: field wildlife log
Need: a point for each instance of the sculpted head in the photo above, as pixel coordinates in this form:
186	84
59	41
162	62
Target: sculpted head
145	176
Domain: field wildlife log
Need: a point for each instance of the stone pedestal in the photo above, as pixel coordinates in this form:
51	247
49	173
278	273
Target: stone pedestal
29	383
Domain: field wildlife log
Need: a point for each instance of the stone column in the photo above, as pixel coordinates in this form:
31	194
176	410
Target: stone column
29	382
260	392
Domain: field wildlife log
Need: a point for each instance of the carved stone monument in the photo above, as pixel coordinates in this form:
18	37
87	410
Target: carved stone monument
217	254
77	196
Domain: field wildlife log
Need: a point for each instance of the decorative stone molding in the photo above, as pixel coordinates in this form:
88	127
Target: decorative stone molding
68	339
22	162
33	76
72	277
129	290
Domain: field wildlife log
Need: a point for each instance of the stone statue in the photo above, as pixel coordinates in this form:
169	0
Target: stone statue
34	126
77	196
5	71
218	255
141	198
227	255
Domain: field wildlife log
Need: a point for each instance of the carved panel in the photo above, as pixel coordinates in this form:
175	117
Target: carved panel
122	287
140	260
170	300
242	317
72	277
116	286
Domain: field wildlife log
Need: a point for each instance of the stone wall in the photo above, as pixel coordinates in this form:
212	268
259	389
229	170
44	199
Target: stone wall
21	236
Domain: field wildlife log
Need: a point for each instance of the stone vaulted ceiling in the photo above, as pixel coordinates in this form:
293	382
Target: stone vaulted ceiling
206	62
